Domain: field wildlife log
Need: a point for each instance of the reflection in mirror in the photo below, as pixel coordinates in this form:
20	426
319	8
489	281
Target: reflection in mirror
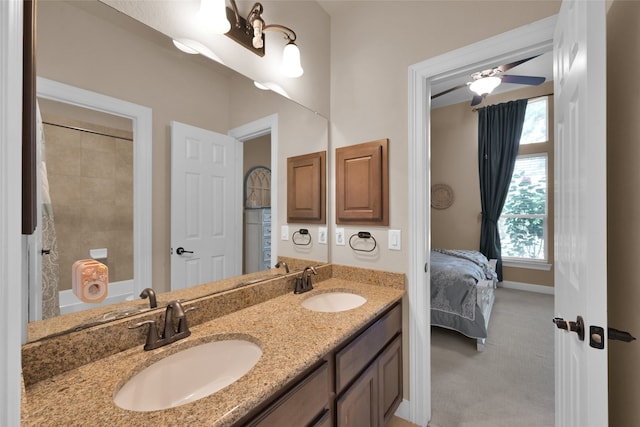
90	46
87	201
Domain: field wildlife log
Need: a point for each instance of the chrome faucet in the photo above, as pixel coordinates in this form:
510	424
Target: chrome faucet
151	294
283	264
303	283
175	314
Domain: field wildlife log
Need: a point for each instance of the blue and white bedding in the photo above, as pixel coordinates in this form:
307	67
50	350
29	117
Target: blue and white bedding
462	284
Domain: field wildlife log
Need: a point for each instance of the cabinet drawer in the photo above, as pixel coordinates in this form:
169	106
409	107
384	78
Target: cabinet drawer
301	405
352	359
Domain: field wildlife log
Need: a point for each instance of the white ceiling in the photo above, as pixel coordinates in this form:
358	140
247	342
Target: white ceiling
541	66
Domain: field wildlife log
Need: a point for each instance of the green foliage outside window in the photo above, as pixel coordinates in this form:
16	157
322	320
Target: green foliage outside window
522	227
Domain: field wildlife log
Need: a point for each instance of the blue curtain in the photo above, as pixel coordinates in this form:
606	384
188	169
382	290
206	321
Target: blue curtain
499	131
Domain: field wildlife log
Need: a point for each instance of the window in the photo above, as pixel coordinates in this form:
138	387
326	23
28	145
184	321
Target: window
523	224
535	122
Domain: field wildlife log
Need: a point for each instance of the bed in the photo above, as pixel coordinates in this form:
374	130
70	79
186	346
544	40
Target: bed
462	292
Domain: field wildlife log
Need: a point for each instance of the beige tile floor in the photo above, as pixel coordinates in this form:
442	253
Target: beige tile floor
399	422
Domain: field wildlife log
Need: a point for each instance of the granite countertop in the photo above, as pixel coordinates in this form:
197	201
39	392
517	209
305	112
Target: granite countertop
292	339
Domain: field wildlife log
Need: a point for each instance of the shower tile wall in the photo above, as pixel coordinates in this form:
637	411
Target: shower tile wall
91	185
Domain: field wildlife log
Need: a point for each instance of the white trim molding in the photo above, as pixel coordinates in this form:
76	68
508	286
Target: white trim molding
531	265
540	289
12	305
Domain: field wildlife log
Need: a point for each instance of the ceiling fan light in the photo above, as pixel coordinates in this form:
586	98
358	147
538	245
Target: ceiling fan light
485	85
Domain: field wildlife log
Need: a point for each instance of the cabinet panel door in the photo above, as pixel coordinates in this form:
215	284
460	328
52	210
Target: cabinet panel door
352	359
304	403
390	379
362	183
358	407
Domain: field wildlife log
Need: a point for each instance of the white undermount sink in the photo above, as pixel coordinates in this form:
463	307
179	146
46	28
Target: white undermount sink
331	302
188	375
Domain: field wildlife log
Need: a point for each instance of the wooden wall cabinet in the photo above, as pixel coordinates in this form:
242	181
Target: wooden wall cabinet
306	188
362	184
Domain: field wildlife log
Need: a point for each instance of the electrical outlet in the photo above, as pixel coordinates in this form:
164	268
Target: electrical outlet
284	232
340	236
395	240
322	235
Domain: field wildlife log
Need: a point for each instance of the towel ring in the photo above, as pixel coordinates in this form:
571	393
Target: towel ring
363	235
301	232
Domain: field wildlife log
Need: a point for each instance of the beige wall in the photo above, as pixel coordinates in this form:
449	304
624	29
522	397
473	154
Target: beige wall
623	158
370	56
257	152
454	161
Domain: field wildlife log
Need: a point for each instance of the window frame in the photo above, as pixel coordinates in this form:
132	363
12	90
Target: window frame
532	150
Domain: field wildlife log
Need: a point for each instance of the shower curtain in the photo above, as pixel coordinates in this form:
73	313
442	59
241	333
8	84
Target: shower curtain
49	260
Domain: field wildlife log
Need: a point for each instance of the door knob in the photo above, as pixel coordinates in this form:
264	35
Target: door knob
577	326
181	251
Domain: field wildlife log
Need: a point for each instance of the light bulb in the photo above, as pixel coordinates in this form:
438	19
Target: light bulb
485	85
213	15
291	61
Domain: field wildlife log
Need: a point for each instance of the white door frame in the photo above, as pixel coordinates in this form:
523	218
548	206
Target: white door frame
264	126
12	302
141	118
530	39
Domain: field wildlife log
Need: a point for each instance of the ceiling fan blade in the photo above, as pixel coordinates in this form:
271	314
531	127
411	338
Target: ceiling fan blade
449	90
477	99
522	80
509	66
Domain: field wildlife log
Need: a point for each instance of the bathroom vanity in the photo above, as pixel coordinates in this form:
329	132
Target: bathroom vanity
317	368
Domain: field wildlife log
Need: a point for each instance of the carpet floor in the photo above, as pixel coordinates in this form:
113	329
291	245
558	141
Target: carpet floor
511	383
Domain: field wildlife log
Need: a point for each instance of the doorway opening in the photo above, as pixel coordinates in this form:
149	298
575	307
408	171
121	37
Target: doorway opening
531	39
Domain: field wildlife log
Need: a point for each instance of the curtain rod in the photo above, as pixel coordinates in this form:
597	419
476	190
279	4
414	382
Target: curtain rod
87	131
531	97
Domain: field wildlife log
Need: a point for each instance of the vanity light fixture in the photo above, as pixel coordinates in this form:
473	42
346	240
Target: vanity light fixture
249	32
485	85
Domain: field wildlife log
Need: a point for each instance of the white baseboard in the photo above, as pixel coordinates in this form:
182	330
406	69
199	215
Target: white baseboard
403	410
549	290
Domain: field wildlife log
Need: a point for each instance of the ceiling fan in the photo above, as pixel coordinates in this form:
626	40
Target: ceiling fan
484	82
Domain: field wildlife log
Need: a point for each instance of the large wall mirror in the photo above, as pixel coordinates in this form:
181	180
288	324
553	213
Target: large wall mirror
89	47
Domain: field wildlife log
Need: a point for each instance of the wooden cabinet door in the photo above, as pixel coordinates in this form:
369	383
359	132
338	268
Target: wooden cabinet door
362	184
390	380
358	407
300	406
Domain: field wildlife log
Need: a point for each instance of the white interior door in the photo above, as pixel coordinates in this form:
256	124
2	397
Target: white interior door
206	206
580	223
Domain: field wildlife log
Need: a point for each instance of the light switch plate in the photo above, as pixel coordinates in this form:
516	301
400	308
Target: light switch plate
322	235
284	232
340	236
395	240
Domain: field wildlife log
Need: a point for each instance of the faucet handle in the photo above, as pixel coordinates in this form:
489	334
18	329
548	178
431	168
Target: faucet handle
152	335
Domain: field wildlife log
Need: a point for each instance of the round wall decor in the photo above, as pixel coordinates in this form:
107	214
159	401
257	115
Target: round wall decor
441	196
